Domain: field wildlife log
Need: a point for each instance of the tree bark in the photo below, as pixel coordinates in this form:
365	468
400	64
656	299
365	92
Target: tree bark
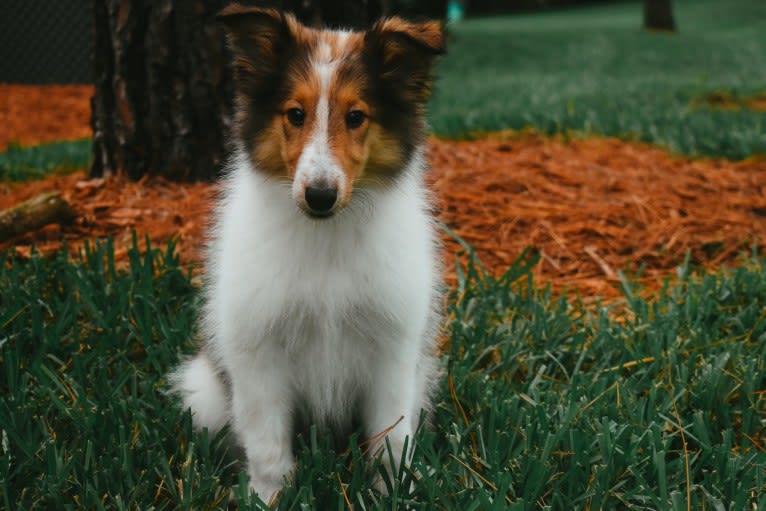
658	15
163	81
162	100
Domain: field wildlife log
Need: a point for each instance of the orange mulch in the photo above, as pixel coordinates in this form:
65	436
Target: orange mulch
594	207
727	101
591	207
31	115
116	207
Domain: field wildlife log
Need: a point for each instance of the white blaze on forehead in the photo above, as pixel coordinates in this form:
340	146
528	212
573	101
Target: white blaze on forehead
317	165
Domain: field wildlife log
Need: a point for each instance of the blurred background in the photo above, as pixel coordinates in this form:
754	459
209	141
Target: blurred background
52	42
639	103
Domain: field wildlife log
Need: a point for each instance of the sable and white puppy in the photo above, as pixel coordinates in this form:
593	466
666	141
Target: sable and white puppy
323	272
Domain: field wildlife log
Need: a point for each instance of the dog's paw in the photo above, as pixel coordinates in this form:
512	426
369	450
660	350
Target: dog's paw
268	482
267	491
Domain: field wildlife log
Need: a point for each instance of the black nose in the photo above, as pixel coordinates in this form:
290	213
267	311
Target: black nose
321	200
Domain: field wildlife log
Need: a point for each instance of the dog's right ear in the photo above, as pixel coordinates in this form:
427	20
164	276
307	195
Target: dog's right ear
260	39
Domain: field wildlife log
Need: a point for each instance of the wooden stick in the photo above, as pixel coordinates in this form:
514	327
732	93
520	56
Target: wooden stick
39	211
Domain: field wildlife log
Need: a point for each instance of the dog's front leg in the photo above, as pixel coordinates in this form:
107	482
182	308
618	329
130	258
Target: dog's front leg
261	407
390	409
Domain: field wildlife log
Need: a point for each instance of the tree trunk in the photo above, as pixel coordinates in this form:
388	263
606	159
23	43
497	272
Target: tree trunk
161	105
163	82
658	15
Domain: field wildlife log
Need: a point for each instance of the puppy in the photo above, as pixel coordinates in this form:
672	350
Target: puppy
322	272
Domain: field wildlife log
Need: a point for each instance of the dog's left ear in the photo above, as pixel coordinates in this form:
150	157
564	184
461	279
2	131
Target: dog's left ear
403	53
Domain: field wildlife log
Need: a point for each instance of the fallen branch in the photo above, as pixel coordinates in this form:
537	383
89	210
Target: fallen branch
39	211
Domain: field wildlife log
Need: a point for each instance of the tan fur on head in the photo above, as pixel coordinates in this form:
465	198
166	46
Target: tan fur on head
359	96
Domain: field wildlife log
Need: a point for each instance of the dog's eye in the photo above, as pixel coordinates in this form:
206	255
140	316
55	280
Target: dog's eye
296	116
354	119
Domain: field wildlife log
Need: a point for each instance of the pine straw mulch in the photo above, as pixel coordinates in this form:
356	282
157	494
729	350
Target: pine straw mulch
591	207
594	207
34	114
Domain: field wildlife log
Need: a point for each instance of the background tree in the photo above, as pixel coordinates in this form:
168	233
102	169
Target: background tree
163	86
658	15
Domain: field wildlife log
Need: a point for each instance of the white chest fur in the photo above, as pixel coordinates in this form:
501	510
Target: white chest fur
323	297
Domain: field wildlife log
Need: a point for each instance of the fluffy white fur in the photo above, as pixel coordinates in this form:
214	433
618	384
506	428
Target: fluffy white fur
326	314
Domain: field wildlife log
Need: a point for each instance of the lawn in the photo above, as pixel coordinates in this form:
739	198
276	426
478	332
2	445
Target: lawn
25	163
545	404
593	70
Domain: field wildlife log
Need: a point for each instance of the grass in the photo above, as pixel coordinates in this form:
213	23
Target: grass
593	70
24	163
545	404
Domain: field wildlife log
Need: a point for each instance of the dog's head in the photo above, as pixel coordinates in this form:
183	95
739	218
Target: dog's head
329	110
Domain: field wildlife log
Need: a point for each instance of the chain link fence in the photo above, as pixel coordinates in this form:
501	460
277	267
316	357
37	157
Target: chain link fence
46	41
